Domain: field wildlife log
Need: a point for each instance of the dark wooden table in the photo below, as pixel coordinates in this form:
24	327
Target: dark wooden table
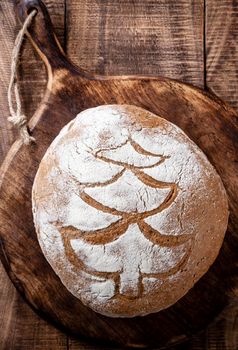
191	40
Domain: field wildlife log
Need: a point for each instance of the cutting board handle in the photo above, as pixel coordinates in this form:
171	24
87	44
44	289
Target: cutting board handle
41	33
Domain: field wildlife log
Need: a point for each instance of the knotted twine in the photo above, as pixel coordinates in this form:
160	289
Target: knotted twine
17	118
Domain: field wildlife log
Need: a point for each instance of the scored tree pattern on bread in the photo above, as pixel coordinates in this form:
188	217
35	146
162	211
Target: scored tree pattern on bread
116	229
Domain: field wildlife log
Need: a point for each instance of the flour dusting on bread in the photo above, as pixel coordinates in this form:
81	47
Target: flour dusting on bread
128	210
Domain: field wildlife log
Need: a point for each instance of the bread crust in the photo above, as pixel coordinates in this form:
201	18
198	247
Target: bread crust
128	211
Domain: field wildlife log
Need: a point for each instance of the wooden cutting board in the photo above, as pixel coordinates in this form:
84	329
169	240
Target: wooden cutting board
205	119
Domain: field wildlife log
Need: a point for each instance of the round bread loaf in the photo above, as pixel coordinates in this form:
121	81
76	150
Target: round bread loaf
128	210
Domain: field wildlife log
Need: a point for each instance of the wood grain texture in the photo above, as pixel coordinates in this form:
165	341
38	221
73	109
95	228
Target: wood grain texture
20	327
138	37
71	91
75	344
23	329
7	304
221	49
7	37
217	335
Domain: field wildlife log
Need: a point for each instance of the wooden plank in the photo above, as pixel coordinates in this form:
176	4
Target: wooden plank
221	49
138	37
7	34
7	303
20	327
221	77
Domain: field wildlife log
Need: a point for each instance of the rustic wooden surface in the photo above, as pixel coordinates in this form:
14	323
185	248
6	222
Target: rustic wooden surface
21	329
221	49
